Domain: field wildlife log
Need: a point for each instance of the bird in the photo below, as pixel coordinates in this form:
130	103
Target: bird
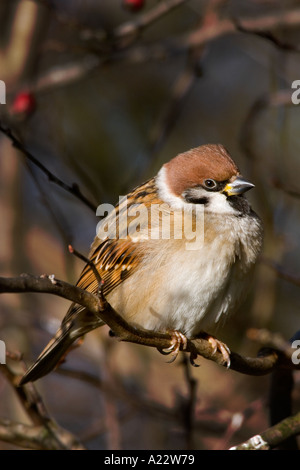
185	278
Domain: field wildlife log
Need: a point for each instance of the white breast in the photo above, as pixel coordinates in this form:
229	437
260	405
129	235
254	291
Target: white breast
190	290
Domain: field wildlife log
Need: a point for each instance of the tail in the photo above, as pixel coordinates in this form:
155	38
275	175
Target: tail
77	322
50	356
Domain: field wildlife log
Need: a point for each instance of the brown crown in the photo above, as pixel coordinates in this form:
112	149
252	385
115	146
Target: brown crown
191	168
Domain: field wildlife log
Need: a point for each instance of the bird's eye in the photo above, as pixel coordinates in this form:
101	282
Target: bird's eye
210	184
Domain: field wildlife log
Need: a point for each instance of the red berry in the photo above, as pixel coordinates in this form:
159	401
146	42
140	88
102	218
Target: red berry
133	5
24	103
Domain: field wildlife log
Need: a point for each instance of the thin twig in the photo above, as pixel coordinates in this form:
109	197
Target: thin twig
73	189
282	382
181	89
238	421
87	261
183	84
280	402
267	23
277	99
125	35
28	397
291	192
44	433
100	290
147	19
58	218
189	404
272	340
283	274
209	422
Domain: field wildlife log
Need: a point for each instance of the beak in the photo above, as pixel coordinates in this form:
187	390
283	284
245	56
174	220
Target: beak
238	186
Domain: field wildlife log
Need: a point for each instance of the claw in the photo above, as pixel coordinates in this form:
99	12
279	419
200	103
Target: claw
222	347
178	340
192	360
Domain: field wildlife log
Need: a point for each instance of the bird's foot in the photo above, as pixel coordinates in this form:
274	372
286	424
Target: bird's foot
218	345
178	341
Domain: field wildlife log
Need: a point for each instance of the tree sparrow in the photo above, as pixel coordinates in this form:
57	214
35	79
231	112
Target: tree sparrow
171	282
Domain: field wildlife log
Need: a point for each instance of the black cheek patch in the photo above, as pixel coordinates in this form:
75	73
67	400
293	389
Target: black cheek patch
240	204
195	200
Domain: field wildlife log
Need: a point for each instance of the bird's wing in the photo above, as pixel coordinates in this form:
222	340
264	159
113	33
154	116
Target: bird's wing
117	255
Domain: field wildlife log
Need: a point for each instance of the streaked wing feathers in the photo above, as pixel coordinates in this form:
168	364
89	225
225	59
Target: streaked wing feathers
117	258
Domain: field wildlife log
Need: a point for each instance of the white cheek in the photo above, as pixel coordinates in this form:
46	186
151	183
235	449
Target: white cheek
165	194
219	204
217	201
175	202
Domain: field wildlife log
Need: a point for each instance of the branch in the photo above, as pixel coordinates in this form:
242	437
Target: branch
26	27
272	340
73	189
117	45
210	422
291	192
267	100
282	381
145	20
281	272
258	25
36	437
167	119
273	436
28	397
187	405
266	361
44	433
280	402
102	44
273	21
183	84
64	75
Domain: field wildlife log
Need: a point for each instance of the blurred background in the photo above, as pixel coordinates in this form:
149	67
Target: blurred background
102	93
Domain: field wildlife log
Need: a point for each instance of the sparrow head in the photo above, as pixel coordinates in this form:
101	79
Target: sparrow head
205	175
